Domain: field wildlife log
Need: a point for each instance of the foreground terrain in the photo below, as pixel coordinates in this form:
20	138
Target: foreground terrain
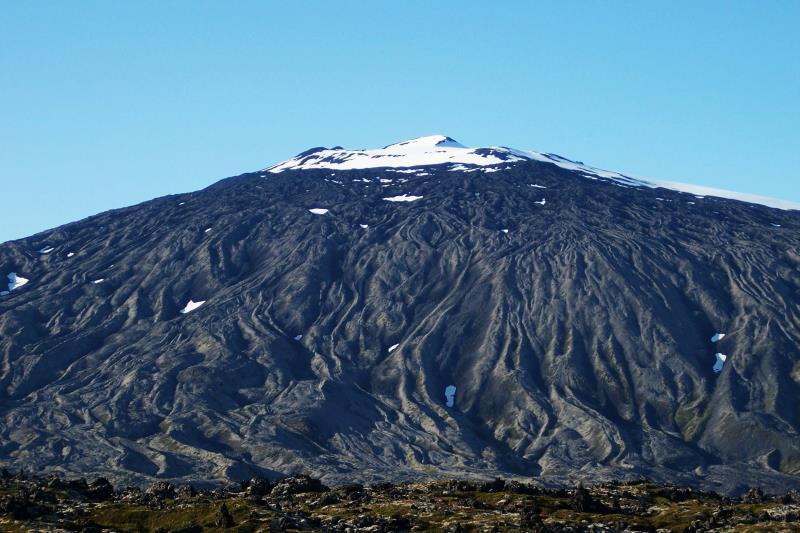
302	503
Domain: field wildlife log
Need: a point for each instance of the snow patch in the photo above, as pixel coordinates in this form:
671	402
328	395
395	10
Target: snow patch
537	185
206	230
542	202
504	230
191	306
318	211
46	250
101	280
364	226
720	362
297	337
717	337
393	347
450	395
403	198
15	281
70	254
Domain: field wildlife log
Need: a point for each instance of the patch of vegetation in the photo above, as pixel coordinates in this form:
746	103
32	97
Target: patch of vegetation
304	504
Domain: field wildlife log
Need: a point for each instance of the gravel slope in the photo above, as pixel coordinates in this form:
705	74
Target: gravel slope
578	340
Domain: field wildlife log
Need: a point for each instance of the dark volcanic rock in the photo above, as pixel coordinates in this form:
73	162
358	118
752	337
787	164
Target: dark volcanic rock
578	340
223	518
297	485
258	486
100	489
162	489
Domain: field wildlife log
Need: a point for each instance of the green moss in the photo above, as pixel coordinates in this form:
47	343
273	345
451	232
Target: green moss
134	518
690	418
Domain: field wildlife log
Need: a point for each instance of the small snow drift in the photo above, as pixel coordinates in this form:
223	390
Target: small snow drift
191	306
297	337
450	395
720	362
403	198
206	230
15	281
542	202
70	254
504	230
46	250
364	226
101	280
393	347
717	337
318	211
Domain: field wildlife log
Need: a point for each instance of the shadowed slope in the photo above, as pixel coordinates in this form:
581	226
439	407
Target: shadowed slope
579	341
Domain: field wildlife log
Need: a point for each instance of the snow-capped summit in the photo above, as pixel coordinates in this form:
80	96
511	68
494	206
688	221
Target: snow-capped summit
426	142
422	151
433	150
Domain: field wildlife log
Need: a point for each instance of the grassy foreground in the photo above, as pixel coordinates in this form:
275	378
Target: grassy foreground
301	503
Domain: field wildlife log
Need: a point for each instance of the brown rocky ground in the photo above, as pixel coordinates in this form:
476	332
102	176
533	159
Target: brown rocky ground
301	503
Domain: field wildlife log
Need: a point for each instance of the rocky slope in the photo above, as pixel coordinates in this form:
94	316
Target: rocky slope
571	309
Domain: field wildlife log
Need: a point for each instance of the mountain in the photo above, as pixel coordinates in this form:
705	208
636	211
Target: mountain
419	311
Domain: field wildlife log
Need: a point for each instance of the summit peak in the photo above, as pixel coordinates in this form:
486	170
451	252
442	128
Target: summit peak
427	141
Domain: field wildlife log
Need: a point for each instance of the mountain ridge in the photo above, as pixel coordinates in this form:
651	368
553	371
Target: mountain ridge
441	149
574	316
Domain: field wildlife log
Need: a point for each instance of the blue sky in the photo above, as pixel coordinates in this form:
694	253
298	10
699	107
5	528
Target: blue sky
107	104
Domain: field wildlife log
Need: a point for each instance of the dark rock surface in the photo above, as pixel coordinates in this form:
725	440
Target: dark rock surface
578	341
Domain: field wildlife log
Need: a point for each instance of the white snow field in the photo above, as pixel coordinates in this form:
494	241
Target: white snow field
191	306
423	151
720	362
442	150
450	395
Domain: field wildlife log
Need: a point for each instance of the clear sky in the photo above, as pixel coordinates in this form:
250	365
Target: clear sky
106	104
